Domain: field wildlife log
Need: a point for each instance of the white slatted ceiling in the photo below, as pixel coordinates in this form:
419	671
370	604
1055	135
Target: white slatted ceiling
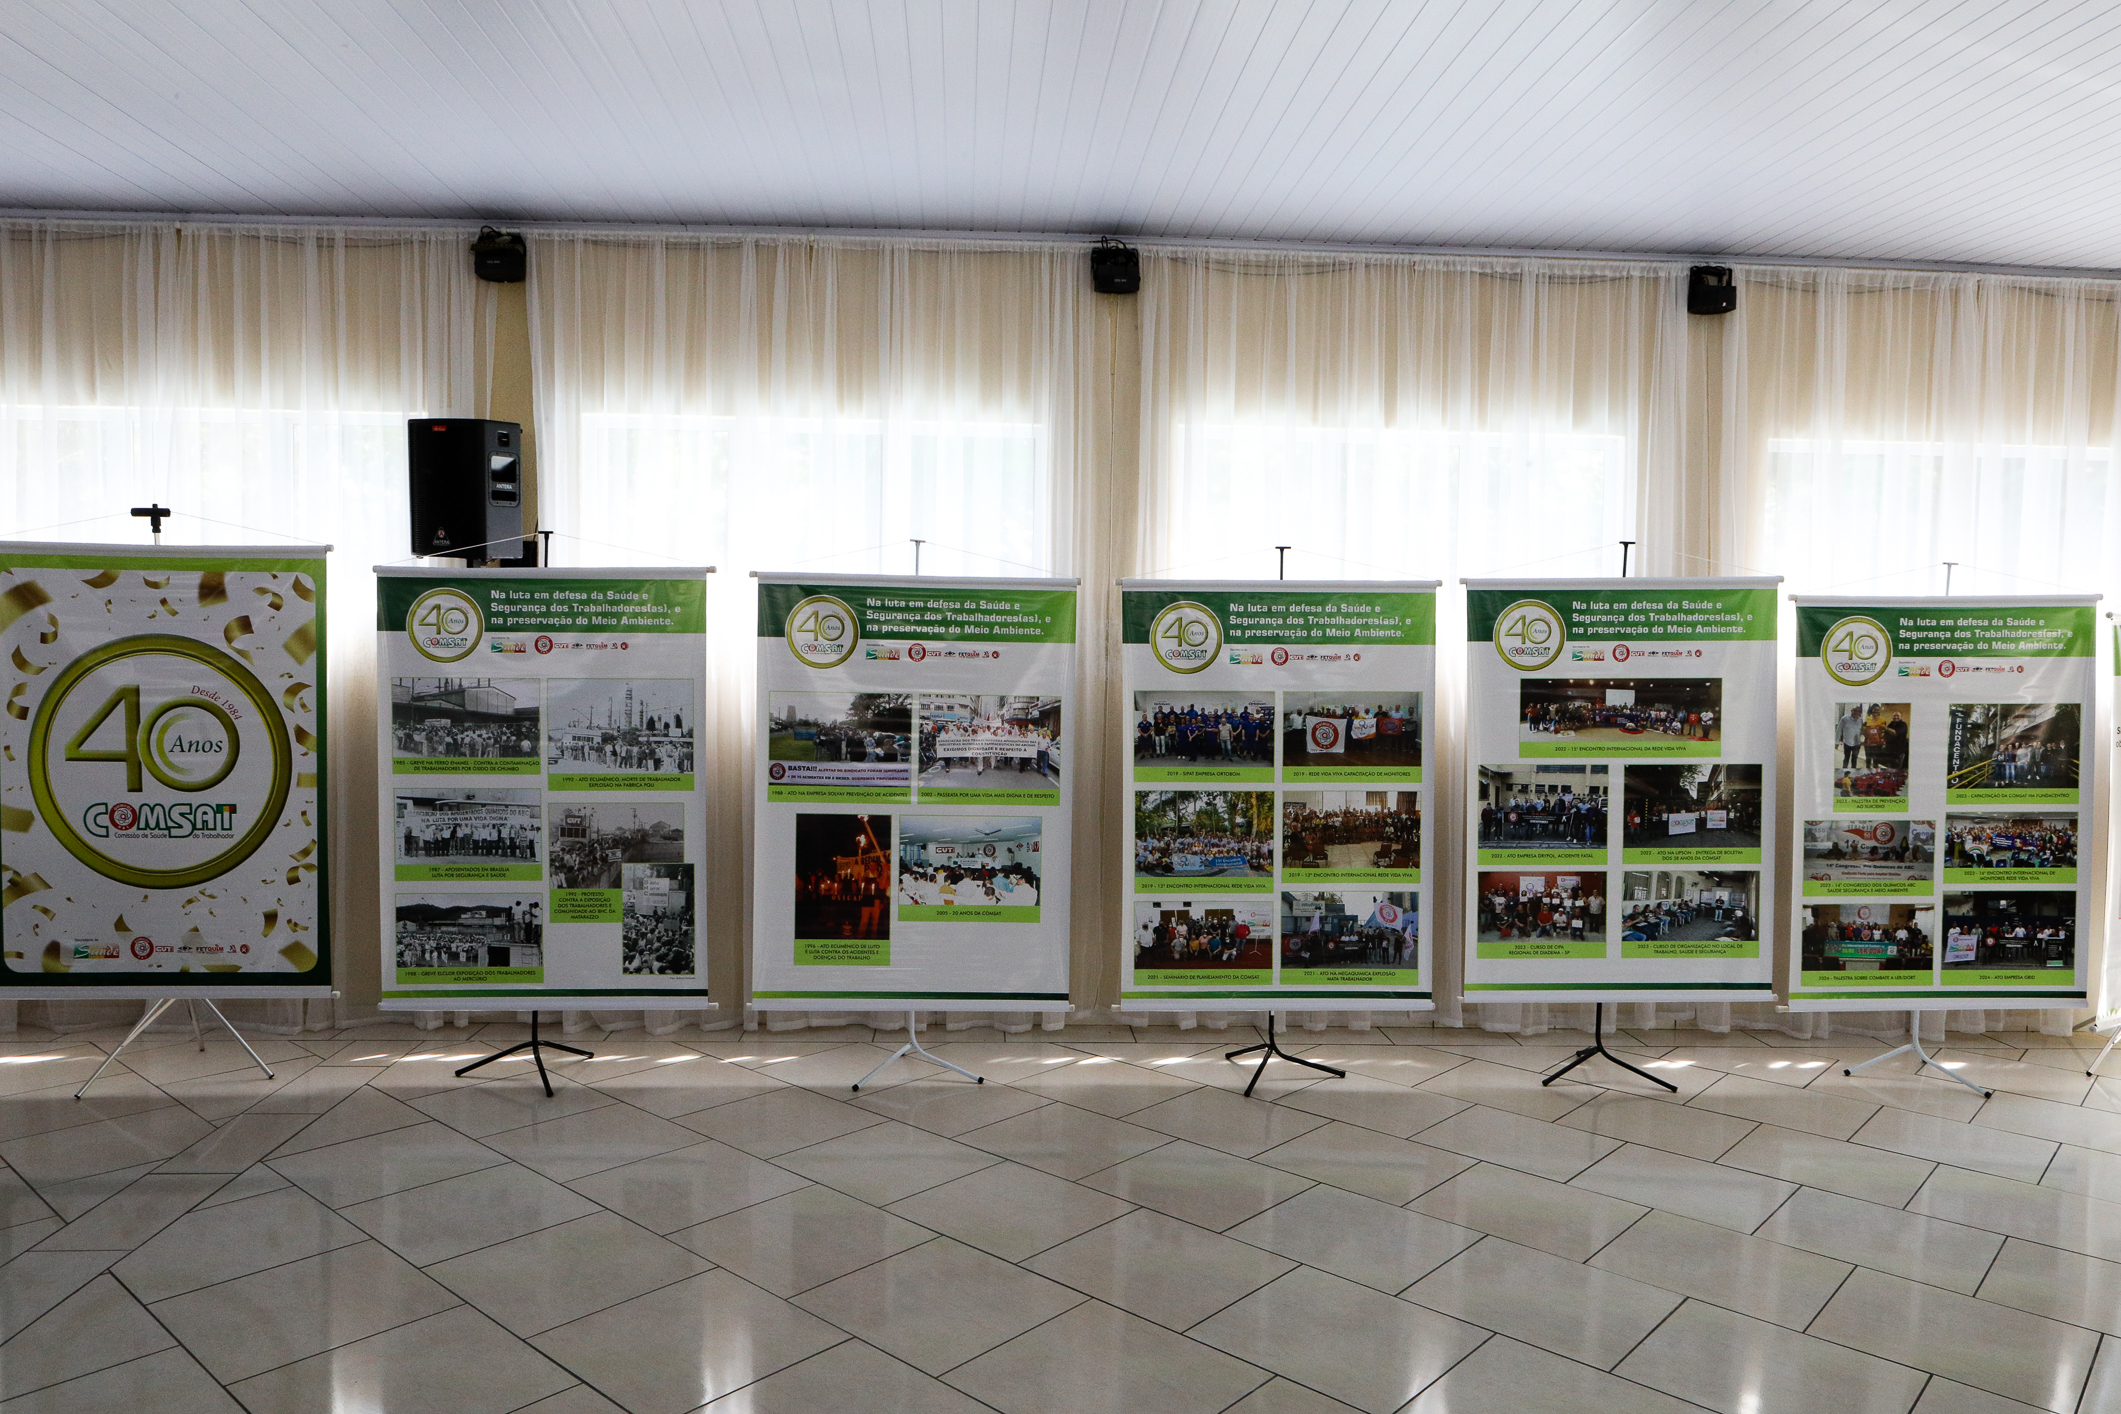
1964	130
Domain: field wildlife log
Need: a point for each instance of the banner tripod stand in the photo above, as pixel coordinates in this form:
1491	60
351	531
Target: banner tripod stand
913	1046
2111	1042
1914	1043
155	1009
1275	1052
537	1046
1597	1046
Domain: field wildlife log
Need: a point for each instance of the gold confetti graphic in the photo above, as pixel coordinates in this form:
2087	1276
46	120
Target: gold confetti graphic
40	908
272	921
305	737
172	608
292	698
300	956
21	886
238	627
103	580
121	926
16	819
304	852
24	664
213	588
301	645
306	780
21	599
272	597
305	591
49	635
53	962
294	875
223	967
18	710
152	583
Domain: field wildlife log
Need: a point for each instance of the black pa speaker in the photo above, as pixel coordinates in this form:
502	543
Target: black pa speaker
1115	269
1711	290
500	256
467	487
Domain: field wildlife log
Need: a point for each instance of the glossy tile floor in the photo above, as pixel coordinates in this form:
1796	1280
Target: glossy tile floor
1106	1225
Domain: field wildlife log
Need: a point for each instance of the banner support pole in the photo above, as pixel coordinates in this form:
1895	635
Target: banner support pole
1597	1048
2111	1042
913	1046
537	1046
1275	1052
154	1010
1914	1039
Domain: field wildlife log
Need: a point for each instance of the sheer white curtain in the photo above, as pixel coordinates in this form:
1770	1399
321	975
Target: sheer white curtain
791	404
256	378
1421	417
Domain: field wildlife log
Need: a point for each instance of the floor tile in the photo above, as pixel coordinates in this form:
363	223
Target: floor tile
2087	1171
1375	1243
1347	1341
315	1091
2019	1114
1885	1239
714	1333
1107	1362
170	1382
1519	1143
577	1145
237	1144
1159	1268
803	1239
456	1362
1736	1365
2052	1217
1010	1210
115	1096
341	1175
581	1399
1781	1066
1280	1396
1830	1115
1746	1274
2014	1077
1226	1121
367	1111
1712	1193
850	1375
131	1216
217	1097
1530	1211
1106	1087
2006	1352
1391	1109
1678	1129
72	1197
948	1108
99	1326
1401	1065
1505	1377
557	1274
2102	1393
22	1236
2063	1286
272	1318
789	1118
939	1304
250	1183
1065	1141
1943	1396
1364	1161
19	1202
35	1282
49	1067
1854	1170
480	1110
836	1070
686	1186
1900	1085
1214	1069
78	1152
1965	1146
885	1162
232	1240
1505	1087
437	1221
1201	1186
1584	1313
684	1085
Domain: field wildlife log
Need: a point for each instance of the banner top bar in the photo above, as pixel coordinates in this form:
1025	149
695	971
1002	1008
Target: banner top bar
1971	601
186	552
1631	582
1269	586
967	581
551	571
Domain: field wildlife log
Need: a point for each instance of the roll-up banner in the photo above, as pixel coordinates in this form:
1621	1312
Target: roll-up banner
1278	735
1620	771
914	790
541	811
162	772
1940	784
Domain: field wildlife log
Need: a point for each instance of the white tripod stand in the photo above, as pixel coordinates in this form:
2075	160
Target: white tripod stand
1914	1043
2111	1041
913	1046
191	1005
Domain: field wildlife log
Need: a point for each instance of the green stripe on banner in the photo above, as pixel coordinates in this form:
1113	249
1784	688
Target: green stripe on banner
1766	989
543	994
910	996
1277	996
1952	998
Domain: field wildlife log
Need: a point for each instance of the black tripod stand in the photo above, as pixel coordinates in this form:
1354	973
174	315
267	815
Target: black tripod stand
1597	1048
1275	1052
536	1047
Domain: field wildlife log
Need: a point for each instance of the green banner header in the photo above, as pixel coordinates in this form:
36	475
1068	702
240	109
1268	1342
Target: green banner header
571	605
1947	630
941	613
1386	618
1617	615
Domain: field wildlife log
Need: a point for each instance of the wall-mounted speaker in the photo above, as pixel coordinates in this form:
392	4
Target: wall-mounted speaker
467	487
1115	269
500	256
1711	289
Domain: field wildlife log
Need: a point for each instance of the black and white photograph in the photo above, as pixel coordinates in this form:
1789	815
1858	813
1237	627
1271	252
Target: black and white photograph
843	876
1184	727
1225	834
656	920
1705	806
465	720
2007	931
1337	929
1882	851
2027	840
2013	746
990	742
618	726
1351	728
1560	805
1868	937
466	826
1620	710
839	738
1687	905
458	931
1871	742
1203	935
592	843
956	861
1351	829
1557	904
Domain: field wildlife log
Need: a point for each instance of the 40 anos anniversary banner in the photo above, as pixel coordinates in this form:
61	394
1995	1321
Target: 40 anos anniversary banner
1941	783
1620	771
914	792
162	771
542	822
1278	736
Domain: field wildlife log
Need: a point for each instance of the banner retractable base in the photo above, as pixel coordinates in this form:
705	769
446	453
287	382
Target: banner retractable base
913	1046
537	1046
1597	1048
160	1005
2111	1042
1275	1052
1914	1043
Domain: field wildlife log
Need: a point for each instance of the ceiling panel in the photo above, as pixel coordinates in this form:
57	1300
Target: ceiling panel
1946	130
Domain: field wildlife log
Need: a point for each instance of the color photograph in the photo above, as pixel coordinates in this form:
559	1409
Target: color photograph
1182	727
592	843
1183	935
1622	711
840	738
2013	746
1871	749
843	876
1869	937
2033	843
1560	806
618	726
2034	934
656	921
1351	829
1350	930
469	932
1552	905
1707	806
1858	851
487	723
989	742
1685	905
968	861
1351	728
1202	834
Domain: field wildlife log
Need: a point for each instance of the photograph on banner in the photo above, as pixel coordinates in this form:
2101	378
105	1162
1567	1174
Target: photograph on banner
1216	841
1350	836
853	747
591	843
466	835
464	727
1689	913
2006	938
1536	813
657	921
445	939
843	890
1335	938
1191	735
968	868
1870	756
614	734
1868	944
1203	942
2013	847
2013	753
991	749
1351	736
1691	814
1853	858
1631	717
1554	915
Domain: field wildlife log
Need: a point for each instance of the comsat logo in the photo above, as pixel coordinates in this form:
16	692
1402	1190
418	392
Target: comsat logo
1856	651
178	821
1529	635
1186	636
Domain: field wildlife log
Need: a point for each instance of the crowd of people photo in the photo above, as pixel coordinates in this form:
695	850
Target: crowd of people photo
618	726
1692	807
844	738
497	826
1381	729
1867	938
1529	906
1871	747
2013	745
967	739
1351	830
1332	930
592	843
444	931
842	876
1226	937
1869	849
1621	709
2010	842
656	931
1521	814
474	719
1692	907
1204	728
2015	932
1204	834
